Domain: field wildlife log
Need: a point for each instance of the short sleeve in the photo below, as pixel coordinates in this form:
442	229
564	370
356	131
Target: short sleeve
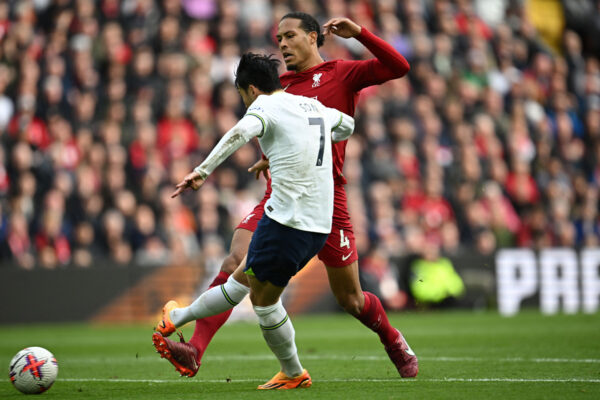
342	125
262	109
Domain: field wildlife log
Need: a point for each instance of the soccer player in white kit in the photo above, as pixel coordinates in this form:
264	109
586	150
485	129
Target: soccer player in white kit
295	134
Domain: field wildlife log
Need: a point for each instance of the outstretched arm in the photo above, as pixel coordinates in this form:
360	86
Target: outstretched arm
247	128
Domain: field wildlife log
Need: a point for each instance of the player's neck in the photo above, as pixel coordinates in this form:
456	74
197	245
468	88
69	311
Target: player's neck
260	92
311	62
273	92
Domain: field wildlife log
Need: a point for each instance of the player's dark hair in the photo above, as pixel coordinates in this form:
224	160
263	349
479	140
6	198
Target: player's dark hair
259	70
308	24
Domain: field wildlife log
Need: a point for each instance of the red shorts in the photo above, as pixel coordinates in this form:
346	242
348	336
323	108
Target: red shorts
340	248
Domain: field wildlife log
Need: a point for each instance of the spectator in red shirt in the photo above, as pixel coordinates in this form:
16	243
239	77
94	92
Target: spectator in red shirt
520	185
435	209
25	125
19	244
50	243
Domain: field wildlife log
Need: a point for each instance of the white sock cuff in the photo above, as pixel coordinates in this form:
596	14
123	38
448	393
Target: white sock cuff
271	317
239	286
234	291
266	310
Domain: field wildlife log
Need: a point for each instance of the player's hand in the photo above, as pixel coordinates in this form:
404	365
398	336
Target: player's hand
261	166
191	181
342	27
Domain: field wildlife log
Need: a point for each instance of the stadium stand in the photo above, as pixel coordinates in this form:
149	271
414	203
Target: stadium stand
491	141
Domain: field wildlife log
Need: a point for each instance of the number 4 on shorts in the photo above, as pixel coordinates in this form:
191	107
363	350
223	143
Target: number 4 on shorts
344	241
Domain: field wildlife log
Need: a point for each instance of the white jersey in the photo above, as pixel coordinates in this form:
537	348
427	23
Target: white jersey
297	141
294	133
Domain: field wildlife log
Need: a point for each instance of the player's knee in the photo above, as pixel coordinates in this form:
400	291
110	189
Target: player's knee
350	303
257	300
230	263
253	298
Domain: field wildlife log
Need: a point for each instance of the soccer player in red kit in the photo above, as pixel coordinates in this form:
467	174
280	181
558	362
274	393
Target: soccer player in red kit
336	84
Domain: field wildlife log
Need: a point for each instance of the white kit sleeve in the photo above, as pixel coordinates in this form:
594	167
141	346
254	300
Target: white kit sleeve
247	128
342	125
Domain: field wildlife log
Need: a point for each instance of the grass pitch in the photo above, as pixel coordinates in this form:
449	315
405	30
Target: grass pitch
462	356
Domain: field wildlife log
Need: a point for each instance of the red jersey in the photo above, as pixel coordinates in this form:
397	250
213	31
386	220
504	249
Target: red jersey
337	84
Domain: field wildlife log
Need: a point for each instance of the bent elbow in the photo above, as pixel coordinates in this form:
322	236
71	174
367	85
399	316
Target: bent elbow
404	69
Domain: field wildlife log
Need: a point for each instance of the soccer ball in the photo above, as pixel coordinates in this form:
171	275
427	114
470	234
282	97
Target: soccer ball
33	370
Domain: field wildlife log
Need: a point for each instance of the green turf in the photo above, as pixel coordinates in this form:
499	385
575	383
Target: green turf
462	356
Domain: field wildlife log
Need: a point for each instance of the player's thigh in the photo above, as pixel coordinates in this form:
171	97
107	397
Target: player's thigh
242	237
277	252
263	294
340	248
238	250
341	260
239	274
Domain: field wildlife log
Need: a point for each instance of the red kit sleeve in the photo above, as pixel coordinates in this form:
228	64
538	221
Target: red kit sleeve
388	64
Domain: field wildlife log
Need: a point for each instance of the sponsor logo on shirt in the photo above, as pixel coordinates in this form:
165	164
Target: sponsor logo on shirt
256	108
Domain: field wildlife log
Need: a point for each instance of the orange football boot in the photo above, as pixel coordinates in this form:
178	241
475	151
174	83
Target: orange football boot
282	381
166	327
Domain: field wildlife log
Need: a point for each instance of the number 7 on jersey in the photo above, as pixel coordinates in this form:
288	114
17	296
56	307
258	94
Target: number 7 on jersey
319	121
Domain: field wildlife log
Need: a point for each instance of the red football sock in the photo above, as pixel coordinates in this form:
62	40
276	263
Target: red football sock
207	327
374	317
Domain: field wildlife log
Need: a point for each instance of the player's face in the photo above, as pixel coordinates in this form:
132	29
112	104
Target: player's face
294	43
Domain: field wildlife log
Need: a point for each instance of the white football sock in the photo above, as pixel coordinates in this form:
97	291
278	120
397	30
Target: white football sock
279	334
212	302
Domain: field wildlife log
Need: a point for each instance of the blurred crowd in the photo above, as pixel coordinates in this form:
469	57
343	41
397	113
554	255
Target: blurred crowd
491	141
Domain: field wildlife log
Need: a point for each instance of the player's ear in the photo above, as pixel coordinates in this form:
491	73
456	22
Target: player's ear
253	90
312	37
